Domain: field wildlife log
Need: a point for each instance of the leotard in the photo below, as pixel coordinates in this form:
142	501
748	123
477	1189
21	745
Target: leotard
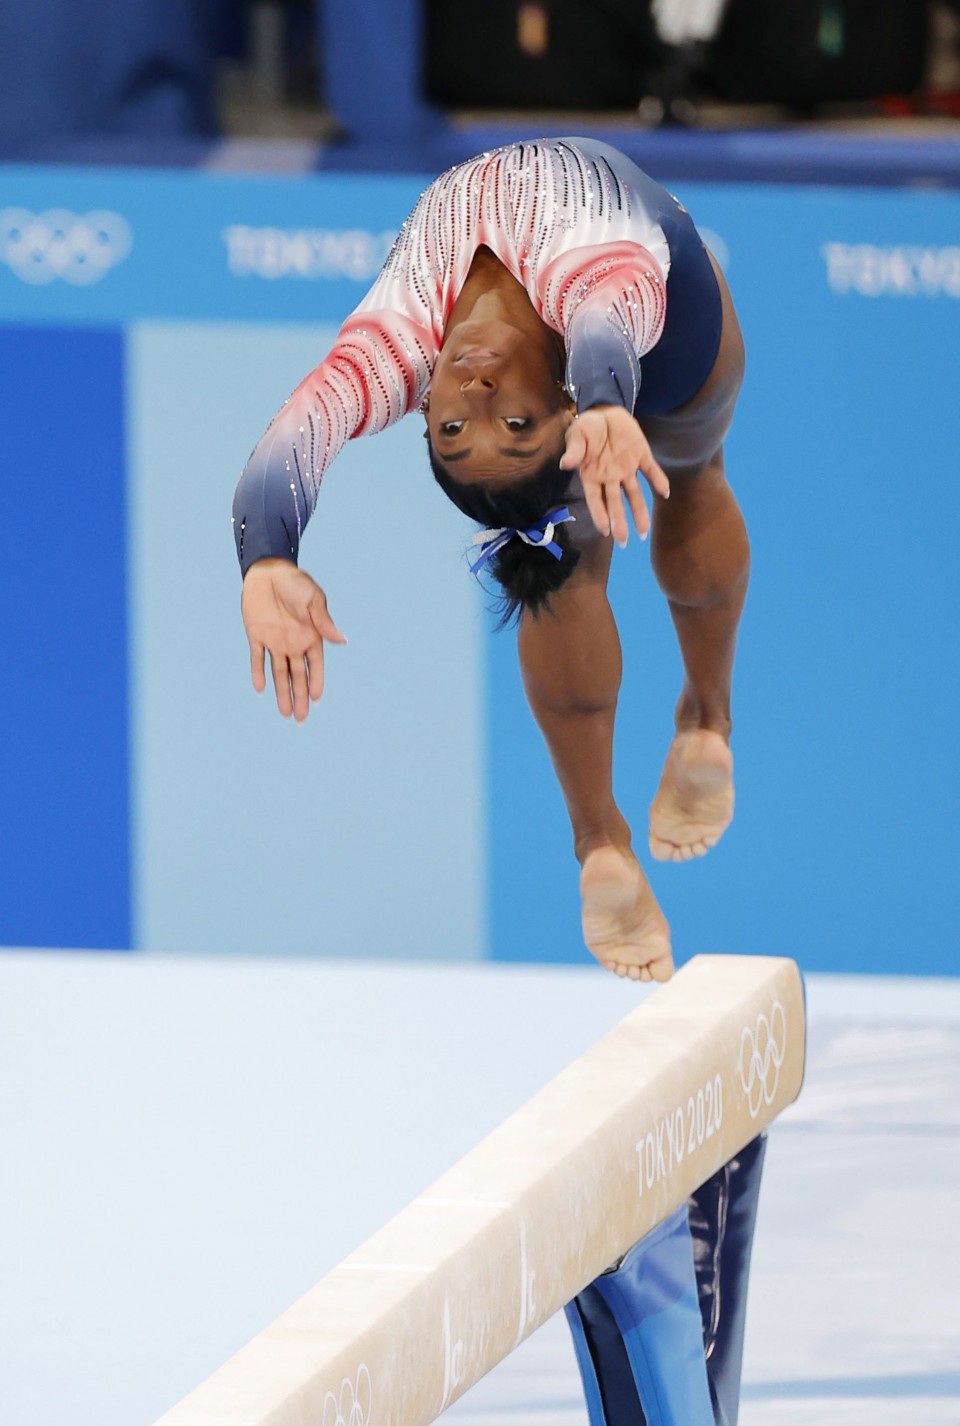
603	253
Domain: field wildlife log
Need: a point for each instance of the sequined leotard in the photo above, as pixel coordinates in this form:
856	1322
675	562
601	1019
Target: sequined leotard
591	239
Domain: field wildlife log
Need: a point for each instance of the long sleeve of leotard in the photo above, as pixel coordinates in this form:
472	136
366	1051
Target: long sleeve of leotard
377	371
611	305
582	243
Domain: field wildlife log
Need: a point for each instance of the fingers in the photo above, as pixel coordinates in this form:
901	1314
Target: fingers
611	451
286	616
609	513
576	449
280	668
597	507
613	497
258	671
291	682
632	489
298	686
638	506
314	657
655	475
298	681
321	619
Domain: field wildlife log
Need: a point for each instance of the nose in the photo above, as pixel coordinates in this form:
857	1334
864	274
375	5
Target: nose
479	383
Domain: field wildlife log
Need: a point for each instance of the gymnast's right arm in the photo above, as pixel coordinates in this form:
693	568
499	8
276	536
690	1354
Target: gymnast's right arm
366	383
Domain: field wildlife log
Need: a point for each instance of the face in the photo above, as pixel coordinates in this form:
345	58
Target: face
497	407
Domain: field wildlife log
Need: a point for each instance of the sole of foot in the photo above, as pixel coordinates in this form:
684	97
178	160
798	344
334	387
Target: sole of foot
622	924
694	802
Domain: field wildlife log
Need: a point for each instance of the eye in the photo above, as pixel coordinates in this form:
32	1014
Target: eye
516	423
450	428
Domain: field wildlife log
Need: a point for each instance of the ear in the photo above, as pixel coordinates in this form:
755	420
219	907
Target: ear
567	401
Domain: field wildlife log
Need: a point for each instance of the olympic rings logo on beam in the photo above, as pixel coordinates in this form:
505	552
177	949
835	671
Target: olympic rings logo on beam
79	248
354	1404
762	1049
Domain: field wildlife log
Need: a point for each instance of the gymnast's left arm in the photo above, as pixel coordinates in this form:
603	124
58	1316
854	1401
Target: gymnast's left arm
611	306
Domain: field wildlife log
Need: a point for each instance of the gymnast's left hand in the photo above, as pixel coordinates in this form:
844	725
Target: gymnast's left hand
610	451
285	614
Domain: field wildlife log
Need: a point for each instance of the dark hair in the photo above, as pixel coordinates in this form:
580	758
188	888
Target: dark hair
526	575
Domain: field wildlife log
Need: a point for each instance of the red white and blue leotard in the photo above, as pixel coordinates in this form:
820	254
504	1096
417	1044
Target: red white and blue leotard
591	239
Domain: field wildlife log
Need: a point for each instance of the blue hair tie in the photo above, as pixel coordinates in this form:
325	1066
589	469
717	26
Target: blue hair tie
540	534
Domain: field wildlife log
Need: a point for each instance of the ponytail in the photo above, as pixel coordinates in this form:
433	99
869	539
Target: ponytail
528	573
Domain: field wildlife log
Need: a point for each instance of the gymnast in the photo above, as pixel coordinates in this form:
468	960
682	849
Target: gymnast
555	316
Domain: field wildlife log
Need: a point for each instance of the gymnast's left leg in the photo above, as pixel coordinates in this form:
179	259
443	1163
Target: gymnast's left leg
571	664
701	557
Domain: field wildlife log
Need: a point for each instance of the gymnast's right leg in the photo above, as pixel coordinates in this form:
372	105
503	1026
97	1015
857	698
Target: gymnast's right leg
571	664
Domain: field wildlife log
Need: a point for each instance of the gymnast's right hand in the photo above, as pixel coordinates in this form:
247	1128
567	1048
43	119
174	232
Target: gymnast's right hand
285	614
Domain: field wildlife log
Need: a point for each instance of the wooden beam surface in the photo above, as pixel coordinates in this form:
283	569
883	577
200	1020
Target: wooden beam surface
543	1205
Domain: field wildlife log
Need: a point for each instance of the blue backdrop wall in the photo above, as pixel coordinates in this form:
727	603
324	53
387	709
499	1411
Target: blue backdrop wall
150	323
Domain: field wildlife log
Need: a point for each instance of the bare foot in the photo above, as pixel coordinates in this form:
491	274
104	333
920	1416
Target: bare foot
622	924
694	802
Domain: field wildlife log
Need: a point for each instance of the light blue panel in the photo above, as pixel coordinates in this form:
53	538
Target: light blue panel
360	832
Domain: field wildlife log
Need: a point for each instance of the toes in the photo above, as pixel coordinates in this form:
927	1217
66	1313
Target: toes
665	851
659	969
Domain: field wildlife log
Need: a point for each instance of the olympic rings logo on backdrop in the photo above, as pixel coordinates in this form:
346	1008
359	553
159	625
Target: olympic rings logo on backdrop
353	1405
79	248
762	1049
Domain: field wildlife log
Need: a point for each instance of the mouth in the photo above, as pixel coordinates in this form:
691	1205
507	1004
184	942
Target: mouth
473	354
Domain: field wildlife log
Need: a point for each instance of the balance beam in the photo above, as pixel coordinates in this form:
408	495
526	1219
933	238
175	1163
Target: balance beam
542	1206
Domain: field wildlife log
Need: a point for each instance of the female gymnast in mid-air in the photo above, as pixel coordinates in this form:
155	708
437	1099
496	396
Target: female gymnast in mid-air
556	318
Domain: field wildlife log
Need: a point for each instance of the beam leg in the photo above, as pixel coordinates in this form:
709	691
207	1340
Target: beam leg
723	1214
640	1328
627	1359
